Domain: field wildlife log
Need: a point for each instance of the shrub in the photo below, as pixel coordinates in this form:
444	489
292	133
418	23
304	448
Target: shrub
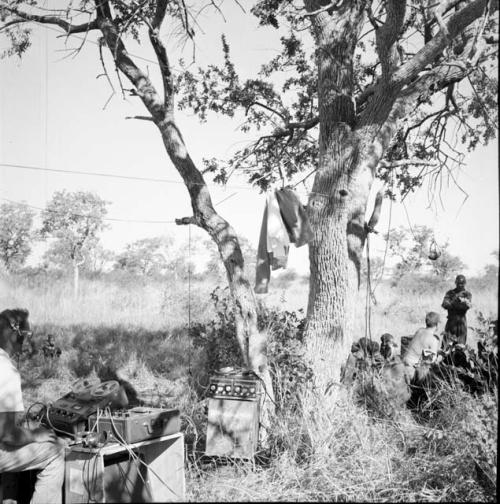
286	353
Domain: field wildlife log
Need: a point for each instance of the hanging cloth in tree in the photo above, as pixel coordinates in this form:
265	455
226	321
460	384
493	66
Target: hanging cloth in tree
284	221
294	216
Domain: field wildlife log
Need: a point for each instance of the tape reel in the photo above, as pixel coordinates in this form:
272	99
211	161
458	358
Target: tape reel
105	389
83	386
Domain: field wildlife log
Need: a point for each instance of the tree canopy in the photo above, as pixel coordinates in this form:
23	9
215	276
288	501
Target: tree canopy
73	221
358	90
445	72
16	234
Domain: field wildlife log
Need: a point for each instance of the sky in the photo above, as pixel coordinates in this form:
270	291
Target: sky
57	111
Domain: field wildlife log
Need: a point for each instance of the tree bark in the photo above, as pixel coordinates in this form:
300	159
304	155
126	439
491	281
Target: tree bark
351	146
333	194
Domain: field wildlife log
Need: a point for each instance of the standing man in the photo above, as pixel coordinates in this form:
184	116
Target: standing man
457	301
23	449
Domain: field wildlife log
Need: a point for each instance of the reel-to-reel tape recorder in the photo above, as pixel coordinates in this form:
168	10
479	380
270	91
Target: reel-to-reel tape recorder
70	414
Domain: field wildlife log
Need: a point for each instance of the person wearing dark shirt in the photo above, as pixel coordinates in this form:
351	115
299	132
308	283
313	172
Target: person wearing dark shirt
49	349
457	301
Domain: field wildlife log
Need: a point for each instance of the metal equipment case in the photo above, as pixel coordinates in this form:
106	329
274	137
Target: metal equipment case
136	424
233	415
110	474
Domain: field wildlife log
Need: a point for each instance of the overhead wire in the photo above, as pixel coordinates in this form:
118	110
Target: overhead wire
124	177
112	219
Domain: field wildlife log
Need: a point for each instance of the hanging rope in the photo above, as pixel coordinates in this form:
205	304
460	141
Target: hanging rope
189	300
387	236
368	306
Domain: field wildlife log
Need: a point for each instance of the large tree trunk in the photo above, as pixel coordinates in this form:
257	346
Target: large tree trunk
334	200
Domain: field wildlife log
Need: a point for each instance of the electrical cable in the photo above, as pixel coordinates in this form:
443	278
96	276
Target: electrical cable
134	455
122	177
55	428
26	416
82	215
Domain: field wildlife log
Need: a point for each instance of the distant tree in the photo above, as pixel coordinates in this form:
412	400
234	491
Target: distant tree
490	275
16	234
447	265
249	252
411	247
148	256
98	259
73	221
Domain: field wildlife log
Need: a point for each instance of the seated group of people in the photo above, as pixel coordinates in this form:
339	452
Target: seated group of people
423	347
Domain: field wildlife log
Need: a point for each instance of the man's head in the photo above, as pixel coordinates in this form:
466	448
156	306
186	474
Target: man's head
460	282
50	339
14	328
432	319
388	346
367	346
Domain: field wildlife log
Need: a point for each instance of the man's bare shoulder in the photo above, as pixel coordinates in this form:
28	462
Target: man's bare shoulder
423	332
425	335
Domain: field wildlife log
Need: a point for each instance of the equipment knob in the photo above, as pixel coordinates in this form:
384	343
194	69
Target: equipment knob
213	387
228	388
252	390
219	389
237	389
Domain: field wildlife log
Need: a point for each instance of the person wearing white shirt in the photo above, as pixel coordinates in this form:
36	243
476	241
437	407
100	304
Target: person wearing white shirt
24	449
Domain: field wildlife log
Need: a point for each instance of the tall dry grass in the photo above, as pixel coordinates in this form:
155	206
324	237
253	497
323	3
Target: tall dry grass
151	305
328	448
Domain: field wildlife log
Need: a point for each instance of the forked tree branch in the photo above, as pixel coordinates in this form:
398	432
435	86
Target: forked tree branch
161	54
454	26
68	27
388	34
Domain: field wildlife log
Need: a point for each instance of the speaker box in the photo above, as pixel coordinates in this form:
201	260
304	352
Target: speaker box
233	428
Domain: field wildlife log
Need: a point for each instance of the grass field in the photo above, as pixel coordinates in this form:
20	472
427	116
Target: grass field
330	448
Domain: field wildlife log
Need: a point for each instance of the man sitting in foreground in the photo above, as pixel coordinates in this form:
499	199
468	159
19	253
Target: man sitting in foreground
424	345
24	449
